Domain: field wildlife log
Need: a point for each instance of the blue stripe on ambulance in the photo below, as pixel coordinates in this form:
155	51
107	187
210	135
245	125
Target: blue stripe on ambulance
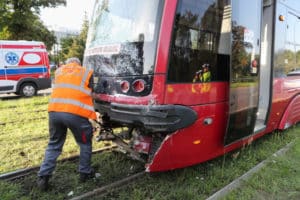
23	70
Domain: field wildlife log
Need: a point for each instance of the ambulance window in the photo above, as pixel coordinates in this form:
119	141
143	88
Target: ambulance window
201	35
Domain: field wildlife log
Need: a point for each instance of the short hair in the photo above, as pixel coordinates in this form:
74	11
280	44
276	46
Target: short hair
72	60
205	65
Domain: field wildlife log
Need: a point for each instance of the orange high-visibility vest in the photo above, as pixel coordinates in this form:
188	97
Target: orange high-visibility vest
71	93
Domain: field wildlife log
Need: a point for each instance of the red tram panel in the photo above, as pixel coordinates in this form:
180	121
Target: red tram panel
190	80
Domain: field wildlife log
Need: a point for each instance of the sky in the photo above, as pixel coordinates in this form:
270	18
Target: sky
69	17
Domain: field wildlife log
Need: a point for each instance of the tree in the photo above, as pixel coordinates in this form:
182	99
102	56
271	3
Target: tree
65	44
78	45
19	20
75	46
42	33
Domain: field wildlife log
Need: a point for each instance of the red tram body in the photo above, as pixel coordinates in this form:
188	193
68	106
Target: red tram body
145	55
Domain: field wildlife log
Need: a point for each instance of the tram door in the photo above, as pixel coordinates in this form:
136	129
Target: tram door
244	73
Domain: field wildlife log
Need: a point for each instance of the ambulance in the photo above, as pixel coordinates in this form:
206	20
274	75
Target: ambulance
24	67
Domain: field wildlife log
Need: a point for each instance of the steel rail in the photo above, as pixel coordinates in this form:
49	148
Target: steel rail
21	121
11	176
237	182
110	187
28	104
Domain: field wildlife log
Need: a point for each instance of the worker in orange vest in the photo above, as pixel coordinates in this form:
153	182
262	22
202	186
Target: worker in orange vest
70	106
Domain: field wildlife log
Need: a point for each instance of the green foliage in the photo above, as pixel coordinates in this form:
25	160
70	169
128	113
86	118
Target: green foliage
19	20
4	33
65	44
43	34
74	46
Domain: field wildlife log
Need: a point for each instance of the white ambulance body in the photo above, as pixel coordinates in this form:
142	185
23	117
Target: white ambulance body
24	67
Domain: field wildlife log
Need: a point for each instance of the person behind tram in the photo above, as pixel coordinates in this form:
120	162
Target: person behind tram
70	107
203	75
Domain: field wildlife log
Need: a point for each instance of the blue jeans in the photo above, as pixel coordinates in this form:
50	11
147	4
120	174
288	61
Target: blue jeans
82	131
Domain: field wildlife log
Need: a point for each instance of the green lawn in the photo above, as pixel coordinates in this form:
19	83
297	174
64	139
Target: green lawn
203	180
23	144
279	179
24	133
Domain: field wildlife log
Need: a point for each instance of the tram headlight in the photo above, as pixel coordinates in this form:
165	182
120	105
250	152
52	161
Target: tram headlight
138	85
124	86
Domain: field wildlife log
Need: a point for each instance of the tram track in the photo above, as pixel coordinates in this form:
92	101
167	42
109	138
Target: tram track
97	192
114	186
105	187
32	111
25	119
238	181
22	121
25	105
103	190
21	173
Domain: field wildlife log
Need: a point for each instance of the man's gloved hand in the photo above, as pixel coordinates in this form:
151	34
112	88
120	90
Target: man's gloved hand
96	126
94	95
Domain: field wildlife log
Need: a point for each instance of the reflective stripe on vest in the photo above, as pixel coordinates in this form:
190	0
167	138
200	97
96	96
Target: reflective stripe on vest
75	87
84	77
72	102
70	86
73	80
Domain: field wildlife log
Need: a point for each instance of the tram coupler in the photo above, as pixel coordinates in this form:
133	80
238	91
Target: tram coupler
106	134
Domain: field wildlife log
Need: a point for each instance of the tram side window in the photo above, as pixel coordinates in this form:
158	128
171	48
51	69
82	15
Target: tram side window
287	43
199	38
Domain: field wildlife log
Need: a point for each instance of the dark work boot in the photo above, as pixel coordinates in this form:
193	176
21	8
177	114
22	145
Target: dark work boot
86	176
43	183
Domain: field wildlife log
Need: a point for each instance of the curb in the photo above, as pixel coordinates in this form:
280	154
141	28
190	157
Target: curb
237	182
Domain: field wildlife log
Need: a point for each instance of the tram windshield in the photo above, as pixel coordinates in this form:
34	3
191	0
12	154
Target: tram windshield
122	37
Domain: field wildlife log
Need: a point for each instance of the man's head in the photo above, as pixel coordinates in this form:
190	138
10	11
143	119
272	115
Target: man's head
73	60
205	67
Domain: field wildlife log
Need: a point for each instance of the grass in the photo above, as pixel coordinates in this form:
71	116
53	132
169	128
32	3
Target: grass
23	144
65	179
279	179
24	137
201	181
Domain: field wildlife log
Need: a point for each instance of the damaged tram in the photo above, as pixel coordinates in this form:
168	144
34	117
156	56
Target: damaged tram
190	80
